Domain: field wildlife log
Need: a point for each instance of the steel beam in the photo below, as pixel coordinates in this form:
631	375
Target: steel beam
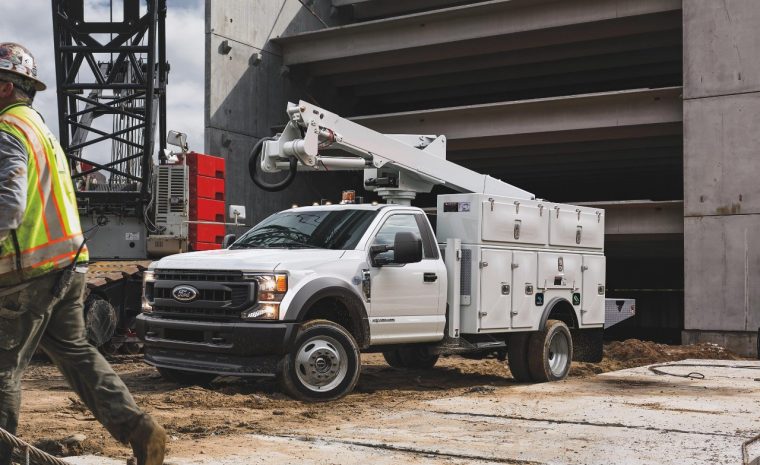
365	9
631	64
601	116
483	27
528	57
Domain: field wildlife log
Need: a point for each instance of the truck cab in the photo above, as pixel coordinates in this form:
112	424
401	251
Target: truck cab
238	311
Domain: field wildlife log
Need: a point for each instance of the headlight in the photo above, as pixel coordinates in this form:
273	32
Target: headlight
271	289
149	277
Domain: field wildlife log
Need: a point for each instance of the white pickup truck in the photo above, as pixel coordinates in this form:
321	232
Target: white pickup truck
302	293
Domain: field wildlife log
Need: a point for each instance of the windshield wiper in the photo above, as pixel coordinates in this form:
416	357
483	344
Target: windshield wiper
297	245
246	246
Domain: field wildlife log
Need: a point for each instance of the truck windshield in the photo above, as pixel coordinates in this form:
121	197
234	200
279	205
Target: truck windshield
314	229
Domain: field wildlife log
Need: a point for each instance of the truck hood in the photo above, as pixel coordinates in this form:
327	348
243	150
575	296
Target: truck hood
249	259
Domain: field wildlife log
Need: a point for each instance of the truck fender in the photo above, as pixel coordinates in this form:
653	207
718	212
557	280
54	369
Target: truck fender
321	288
587	343
550	306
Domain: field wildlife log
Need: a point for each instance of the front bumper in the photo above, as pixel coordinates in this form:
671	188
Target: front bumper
222	348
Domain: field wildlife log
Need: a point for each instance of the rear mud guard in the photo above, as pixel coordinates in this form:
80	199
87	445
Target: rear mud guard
587	344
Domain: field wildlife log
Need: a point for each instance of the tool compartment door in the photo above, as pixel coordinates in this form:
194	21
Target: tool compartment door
495	289
593	291
572	226
524	314
520	222
560	270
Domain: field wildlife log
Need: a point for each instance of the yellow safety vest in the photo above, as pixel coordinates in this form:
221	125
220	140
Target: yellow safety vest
50	233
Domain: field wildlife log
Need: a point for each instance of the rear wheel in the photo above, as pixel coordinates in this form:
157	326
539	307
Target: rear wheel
418	357
186	378
393	358
517	355
411	357
324	364
550	352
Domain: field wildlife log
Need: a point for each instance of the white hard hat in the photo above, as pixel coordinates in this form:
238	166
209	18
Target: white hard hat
17	60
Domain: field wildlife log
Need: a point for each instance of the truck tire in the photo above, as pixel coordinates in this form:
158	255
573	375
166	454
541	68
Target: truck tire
323	365
550	352
393	358
411	357
186	378
517	355
100	320
417	357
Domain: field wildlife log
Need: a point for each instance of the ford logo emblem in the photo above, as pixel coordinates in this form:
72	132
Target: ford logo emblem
184	293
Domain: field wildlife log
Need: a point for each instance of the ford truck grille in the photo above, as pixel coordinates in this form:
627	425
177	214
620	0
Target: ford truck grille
221	295
199	275
200	313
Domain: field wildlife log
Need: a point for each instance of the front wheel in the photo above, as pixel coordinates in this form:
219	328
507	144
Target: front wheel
550	352
323	365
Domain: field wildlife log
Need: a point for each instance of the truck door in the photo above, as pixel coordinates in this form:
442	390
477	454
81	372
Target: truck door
495	289
406	304
592	297
524	313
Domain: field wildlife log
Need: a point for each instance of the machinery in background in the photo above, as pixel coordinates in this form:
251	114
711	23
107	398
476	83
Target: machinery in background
111	78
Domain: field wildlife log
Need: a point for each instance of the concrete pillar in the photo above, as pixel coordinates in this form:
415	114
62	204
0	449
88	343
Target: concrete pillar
247	88
721	171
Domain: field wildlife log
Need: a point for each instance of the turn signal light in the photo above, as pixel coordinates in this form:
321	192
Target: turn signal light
282	283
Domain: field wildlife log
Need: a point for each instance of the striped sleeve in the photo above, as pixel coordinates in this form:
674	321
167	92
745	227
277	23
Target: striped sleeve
13	183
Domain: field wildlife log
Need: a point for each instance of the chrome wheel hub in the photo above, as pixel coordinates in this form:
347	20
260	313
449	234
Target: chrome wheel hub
321	363
559	354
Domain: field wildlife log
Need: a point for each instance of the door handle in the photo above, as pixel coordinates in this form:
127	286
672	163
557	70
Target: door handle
430	277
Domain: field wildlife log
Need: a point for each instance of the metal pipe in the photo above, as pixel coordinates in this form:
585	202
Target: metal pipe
163	72
342	163
329	163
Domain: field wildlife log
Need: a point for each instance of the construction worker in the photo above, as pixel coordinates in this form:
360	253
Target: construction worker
42	270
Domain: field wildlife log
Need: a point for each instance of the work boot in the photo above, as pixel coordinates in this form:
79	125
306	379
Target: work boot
148	441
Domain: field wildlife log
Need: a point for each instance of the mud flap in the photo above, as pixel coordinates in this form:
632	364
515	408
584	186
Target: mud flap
588	344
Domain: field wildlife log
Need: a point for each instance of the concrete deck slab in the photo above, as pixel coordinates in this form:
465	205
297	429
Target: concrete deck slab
630	417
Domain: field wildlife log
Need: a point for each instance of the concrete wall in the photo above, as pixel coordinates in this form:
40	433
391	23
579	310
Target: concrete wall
721	167
247	89
246	99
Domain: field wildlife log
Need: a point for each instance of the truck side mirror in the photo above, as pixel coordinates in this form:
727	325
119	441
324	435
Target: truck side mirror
228	240
407	248
376	250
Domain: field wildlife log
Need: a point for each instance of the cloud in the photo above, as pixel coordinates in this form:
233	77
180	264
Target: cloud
30	23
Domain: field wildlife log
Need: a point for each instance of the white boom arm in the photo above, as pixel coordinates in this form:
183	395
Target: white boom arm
396	166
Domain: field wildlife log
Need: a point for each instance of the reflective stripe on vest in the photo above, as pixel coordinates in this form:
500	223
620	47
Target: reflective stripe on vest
50	233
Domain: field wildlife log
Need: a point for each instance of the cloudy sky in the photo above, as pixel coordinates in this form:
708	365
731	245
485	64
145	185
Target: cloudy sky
29	22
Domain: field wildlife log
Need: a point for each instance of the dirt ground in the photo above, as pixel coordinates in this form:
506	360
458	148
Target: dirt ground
201	418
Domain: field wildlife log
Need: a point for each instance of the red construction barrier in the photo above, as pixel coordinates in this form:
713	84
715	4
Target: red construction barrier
207	196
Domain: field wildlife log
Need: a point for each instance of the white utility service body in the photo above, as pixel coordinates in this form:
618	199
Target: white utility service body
300	294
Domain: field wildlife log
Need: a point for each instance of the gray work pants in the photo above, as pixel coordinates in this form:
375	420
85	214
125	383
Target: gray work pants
33	317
